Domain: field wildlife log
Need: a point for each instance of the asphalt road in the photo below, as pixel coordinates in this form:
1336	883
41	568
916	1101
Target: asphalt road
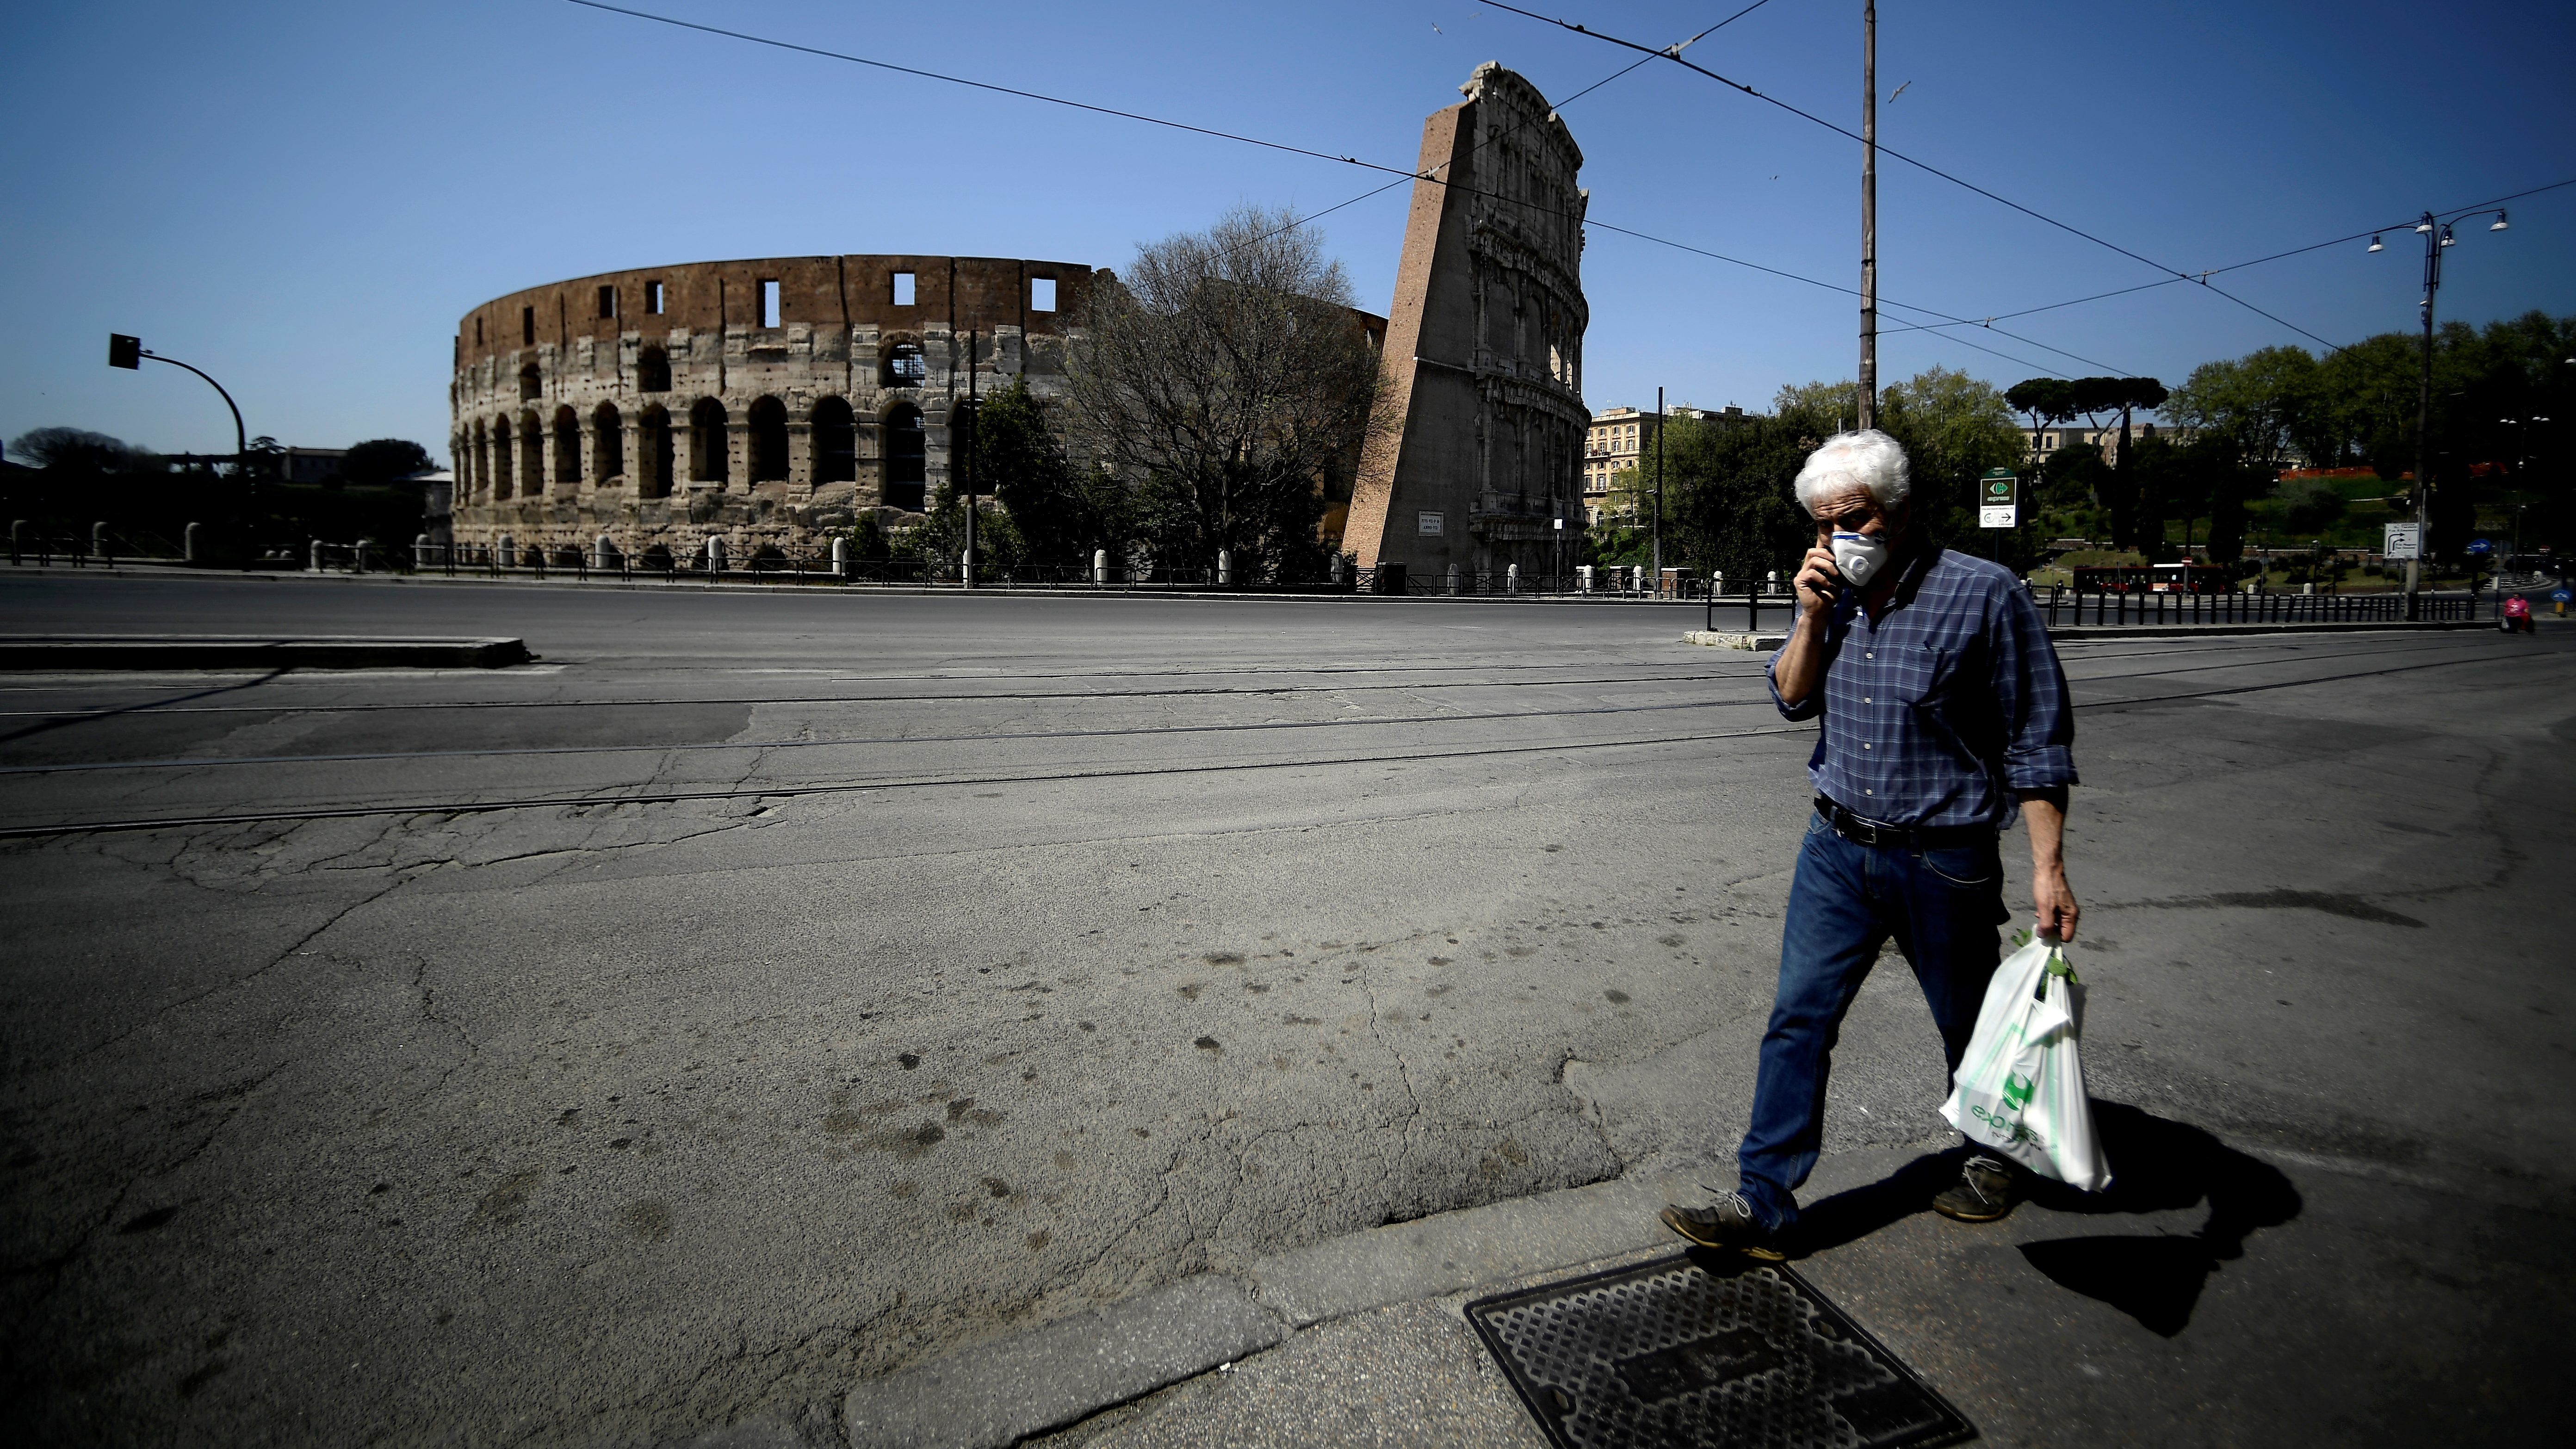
888	973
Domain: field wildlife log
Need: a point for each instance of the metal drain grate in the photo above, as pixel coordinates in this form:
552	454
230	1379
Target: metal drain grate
1699	1349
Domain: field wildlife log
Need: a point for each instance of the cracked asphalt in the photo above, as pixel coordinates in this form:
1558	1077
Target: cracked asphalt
884	974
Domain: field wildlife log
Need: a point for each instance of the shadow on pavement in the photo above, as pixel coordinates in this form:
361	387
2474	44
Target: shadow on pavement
2158	1165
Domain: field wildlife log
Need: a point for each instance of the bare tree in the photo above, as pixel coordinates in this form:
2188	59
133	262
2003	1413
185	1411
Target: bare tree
1223	379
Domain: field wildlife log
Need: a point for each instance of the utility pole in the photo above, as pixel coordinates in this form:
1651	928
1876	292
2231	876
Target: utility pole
1659	490
1869	214
972	403
2434	241
2437	235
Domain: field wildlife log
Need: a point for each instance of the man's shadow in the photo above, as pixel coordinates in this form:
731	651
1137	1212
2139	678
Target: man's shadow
2157	1165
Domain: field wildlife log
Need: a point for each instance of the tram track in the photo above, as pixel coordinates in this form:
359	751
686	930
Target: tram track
844	787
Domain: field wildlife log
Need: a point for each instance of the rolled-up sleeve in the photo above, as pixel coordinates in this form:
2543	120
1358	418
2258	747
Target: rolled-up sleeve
2030	689
1808	708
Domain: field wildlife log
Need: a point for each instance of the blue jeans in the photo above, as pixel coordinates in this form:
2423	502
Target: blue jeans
1942	908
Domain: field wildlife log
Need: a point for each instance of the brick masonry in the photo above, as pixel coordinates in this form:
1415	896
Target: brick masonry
580	409
1483	371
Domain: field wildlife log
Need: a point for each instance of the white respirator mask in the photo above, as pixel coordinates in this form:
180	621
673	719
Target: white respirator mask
1859	556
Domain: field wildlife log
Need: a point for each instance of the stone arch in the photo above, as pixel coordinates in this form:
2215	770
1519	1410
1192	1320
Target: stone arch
907	458
532	455
835	438
652	370
607	443
906	365
709	460
656	556
567	432
768	440
532	383
653	447
478	463
500	459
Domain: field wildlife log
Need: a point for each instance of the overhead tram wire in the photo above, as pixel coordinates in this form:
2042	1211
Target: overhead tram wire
2344	240
1402	175
1886	150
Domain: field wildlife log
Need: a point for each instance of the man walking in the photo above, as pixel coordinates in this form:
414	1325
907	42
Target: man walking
1944	715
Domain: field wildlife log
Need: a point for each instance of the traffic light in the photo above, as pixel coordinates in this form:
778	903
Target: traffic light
124	351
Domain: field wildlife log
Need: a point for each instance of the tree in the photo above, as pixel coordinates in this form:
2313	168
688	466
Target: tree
1062	512
1728	506
2132	526
1224	379
2046	399
379	461
77	450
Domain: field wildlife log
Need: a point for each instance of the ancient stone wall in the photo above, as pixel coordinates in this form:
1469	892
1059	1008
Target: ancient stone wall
1484	354
766	402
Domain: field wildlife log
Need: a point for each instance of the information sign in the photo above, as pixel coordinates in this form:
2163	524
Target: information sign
1999	500
1430	525
2480	545
2403	540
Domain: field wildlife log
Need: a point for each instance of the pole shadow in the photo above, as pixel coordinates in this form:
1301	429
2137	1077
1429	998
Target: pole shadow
2158	1165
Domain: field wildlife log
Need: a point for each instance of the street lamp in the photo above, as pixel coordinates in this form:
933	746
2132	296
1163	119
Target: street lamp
130	353
2437	235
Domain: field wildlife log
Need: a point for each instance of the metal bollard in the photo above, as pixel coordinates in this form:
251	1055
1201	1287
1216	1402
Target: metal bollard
1453	578
1225	569
715	555
316	566
1100	567
1511	578
358	555
841	558
191	546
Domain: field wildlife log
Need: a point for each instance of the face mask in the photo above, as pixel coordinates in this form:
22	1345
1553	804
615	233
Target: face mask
1859	556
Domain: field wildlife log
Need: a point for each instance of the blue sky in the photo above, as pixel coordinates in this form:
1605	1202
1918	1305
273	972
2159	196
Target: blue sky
302	198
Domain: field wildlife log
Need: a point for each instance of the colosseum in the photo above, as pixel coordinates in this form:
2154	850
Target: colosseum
764	402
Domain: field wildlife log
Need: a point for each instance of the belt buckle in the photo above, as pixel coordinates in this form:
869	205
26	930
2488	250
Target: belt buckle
1858	830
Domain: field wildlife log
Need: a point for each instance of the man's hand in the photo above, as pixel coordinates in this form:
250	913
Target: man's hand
1818	577
2050	896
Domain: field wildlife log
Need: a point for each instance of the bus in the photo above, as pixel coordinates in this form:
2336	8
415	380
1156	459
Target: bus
2164	578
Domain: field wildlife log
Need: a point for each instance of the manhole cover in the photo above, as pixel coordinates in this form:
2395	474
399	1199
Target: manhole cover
1697	1349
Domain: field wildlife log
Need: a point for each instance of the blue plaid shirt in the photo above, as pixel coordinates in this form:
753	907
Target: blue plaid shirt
1945	707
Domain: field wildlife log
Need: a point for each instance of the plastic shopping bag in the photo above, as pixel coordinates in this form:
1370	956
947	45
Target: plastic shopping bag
2020	1088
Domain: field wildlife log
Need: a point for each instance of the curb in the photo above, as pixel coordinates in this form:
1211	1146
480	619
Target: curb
1002	1392
2183	631
240	651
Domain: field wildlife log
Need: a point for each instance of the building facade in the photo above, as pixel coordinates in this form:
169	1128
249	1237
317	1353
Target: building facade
1621	439
766	402
1479	461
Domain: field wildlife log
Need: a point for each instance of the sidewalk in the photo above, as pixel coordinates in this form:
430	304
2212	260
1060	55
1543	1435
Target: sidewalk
2064	1324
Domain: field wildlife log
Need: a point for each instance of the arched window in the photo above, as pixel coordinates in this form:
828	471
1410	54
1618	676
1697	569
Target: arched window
653	444
836	442
567	447
653	370
708	460
607	443
768	440
531	384
907	459
904	366
478	465
532	455
500	459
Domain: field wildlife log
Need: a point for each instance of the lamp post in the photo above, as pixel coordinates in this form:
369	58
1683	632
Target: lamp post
2437	236
130	353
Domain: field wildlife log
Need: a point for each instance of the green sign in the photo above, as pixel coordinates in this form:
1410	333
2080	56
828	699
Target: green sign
2000	488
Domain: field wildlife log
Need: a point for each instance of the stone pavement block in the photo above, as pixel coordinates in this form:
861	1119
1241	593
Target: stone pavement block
1000	1392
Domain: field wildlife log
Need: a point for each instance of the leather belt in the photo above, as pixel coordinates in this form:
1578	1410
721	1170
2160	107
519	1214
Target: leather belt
1861	830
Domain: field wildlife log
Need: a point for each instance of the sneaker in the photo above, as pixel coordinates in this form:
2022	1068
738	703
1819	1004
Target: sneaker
1727	1222
1987	1191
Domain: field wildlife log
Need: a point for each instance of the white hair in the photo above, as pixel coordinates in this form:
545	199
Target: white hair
1866	459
